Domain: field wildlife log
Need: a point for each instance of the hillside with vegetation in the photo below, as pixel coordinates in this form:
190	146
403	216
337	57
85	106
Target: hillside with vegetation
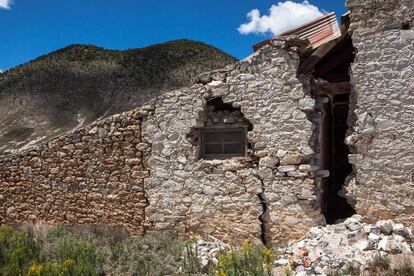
76	85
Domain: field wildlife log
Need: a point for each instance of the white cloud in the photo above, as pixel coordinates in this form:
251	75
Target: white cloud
282	17
5	4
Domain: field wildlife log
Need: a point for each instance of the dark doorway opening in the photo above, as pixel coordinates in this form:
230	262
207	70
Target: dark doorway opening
330	69
337	207
334	156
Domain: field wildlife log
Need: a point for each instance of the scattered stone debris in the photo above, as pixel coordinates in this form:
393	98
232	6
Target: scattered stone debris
325	249
207	250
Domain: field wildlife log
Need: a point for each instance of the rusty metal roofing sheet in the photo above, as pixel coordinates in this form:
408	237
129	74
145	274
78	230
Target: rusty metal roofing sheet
318	31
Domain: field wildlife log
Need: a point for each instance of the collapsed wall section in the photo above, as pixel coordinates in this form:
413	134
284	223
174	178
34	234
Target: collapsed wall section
382	109
269	195
91	176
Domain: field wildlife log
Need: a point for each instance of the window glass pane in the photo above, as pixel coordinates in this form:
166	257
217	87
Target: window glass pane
235	148
221	143
214	149
235	136
213	137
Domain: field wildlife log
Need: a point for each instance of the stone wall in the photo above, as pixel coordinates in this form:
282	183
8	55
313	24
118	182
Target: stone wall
153	179
270	195
382	118
143	169
91	176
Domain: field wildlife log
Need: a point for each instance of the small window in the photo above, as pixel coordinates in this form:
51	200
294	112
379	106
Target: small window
223	143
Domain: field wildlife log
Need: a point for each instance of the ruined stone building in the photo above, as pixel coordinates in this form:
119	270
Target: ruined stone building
306	131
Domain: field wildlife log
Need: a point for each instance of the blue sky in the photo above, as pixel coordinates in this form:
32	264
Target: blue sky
31	28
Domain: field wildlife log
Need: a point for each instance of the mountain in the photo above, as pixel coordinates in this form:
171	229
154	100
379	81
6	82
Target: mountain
76	85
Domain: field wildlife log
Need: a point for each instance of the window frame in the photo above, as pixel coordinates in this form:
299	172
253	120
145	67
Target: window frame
204	131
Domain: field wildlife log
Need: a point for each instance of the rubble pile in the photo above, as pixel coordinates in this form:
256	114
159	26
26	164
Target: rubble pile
332	247
207	250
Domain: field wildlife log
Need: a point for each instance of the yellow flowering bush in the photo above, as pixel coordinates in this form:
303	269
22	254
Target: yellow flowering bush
35	270
69	262
46	269
249	260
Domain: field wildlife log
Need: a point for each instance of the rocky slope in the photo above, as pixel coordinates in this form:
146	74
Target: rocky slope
74	86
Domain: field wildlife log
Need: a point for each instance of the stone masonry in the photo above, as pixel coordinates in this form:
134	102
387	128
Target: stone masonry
382	133
270	195
143	169
96	175
91	176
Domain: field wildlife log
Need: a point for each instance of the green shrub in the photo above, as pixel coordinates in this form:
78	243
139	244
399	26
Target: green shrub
60	254
288	270
379	263
405	268
348	270
190	261
158	254
18	250
85	254
67	251
250	260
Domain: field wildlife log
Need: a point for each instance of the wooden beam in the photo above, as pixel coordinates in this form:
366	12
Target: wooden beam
328	88
308	65
342	56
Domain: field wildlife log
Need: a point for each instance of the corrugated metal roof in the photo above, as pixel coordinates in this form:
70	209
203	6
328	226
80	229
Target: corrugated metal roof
318	31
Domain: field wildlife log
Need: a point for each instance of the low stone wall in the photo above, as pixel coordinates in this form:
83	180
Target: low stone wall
91	176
